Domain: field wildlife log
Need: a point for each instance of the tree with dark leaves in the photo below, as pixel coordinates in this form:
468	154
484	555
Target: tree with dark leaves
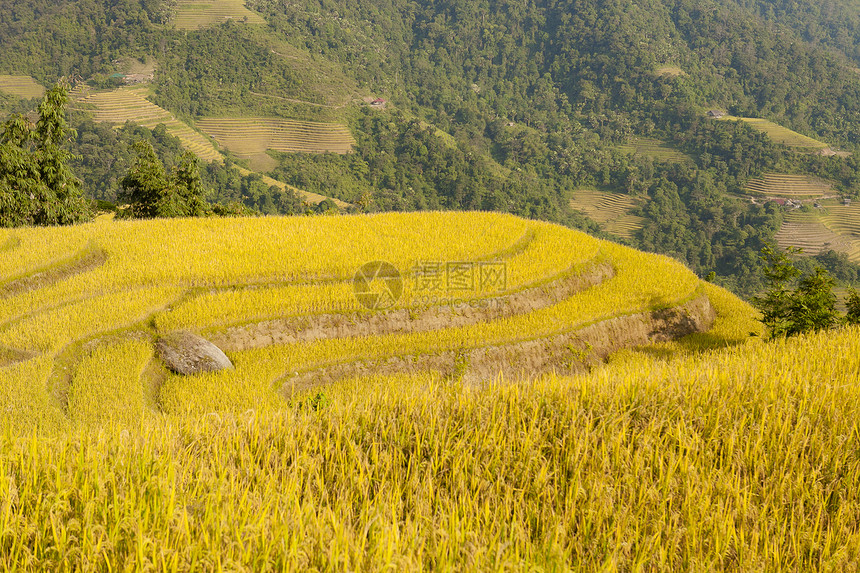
37	187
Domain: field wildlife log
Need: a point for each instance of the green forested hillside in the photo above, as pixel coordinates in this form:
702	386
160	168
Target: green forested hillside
505	105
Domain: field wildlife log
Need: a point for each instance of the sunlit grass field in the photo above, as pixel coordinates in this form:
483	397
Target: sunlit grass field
714	451
72	289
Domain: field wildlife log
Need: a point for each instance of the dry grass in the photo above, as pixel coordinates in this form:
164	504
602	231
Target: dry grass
673	457
727	460
158	276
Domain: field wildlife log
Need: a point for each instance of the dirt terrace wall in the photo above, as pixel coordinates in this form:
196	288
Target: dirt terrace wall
564	354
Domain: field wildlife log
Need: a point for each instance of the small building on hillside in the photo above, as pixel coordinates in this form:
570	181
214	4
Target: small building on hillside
378	102
716	114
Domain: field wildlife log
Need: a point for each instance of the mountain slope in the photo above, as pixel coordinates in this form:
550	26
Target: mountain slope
540	98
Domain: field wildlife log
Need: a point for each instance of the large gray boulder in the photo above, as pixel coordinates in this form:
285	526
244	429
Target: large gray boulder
186	353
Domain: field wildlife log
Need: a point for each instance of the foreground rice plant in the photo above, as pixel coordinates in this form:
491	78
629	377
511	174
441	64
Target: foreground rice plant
745	459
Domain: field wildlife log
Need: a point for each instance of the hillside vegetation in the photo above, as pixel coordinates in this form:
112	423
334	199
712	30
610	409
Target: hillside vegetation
494	106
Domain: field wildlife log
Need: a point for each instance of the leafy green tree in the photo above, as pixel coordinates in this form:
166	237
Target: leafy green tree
189	187
145	185
152	192
853	304
37	187
775	305
808	308
813	304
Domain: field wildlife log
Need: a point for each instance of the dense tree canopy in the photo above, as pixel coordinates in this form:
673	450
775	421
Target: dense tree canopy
37	187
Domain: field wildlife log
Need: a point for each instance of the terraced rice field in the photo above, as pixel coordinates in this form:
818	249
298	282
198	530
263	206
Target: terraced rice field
247	137
835	226
808	231
789	186
287	308
21	86
655	149
130	104
845	220
781	134
195	14
611	210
